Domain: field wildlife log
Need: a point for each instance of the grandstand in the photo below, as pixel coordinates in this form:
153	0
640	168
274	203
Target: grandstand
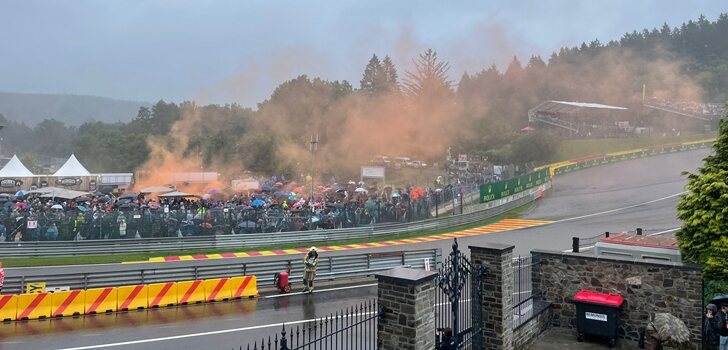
689	109
580	119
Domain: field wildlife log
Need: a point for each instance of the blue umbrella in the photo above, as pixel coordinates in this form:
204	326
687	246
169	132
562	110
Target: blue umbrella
82	208
257	203
340	190
266	188
128	196
21	193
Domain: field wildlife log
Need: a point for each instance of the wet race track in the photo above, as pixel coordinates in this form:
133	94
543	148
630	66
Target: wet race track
616	197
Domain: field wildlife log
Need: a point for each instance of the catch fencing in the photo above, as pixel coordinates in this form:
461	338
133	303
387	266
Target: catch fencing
252	240
113	275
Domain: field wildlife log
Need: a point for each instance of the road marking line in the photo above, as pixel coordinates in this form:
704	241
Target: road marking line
321	290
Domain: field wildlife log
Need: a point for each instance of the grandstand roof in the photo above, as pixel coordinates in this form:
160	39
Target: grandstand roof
556	107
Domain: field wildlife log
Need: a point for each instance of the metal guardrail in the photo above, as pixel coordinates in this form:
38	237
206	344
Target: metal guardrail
112	275
242	241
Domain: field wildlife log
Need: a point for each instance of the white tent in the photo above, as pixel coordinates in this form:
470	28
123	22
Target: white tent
177	194
157	189
72	168
15	168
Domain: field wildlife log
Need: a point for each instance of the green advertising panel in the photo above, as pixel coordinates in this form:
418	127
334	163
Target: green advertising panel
497	190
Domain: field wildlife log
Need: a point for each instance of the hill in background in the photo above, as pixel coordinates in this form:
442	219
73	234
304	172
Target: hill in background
31	109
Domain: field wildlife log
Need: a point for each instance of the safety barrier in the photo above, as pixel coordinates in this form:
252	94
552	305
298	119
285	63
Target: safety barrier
190	292
8	307
559	168
132	297
100	300
124	298
162	294
32	306
68	303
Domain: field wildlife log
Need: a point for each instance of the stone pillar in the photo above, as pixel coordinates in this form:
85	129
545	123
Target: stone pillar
497	294
408	298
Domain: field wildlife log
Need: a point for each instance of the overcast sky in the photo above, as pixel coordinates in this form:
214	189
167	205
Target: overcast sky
240	50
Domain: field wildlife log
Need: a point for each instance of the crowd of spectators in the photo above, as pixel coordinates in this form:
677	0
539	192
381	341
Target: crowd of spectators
275	207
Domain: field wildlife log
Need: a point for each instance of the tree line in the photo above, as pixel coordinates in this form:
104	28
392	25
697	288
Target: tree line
423	111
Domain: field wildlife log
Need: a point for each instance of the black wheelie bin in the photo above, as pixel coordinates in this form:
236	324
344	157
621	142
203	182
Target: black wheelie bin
598	314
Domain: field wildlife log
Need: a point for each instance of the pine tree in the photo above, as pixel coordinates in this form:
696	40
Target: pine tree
389	72
429	78
372	75
703	237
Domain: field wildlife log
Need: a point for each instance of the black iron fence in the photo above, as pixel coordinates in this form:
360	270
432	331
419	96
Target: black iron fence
353	328
458	312
523	293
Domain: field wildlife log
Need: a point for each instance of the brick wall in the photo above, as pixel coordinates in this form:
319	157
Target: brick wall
647	288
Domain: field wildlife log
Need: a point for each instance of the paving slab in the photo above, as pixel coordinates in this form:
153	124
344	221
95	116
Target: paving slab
563	338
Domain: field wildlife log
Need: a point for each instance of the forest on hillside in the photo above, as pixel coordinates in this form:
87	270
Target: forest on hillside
419	112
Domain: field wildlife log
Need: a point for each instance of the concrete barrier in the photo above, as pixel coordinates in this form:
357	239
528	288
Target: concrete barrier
68	303
162	294
32	306
132	297
8	307
244	287
217	289
190	292
100	300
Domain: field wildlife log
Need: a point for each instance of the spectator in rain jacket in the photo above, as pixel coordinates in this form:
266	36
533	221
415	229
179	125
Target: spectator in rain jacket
713	323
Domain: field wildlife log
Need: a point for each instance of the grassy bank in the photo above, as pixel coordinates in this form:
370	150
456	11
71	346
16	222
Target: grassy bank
106	259
570	149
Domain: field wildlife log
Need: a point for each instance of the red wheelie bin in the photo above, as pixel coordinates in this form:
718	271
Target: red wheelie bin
598	314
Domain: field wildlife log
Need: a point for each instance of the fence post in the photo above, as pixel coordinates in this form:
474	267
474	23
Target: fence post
606	234
575	244
408	298
639	231
497	298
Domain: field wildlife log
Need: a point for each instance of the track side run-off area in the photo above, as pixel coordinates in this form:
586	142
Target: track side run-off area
503	225
614	197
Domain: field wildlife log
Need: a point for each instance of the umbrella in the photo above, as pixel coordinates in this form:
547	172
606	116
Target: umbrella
279	184
129	196
82	208
360	190
21	193
5	195
213	191
670	330
340	190
57	206
257	203
720	299
266	188
395	194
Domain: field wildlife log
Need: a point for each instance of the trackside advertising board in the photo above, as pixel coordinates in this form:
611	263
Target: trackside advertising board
501	189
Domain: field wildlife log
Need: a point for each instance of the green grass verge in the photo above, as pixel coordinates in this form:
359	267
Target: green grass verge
106	259
570	149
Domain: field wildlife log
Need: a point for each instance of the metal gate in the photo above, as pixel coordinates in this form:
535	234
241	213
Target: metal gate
458	307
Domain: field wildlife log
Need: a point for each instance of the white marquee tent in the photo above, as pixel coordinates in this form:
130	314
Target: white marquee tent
15	168
72	167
